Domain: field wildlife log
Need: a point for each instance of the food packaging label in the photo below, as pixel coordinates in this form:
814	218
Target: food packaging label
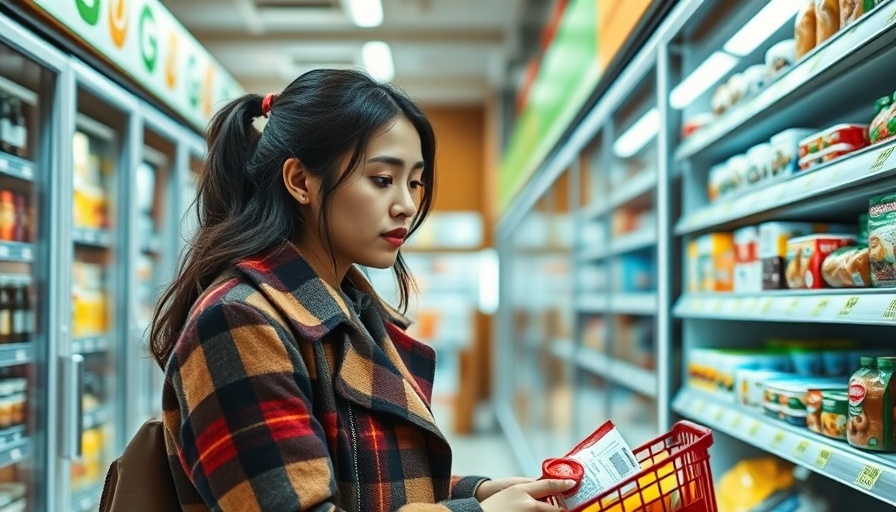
882	240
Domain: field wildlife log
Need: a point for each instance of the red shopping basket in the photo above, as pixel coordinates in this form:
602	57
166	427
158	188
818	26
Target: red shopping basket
675	477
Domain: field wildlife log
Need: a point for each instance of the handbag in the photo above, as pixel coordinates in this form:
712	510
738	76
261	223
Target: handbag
140	480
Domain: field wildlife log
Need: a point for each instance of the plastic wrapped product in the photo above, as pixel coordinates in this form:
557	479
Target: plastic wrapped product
759	159
882	240
780	57
785	151
805	256
883	126
827	19
851	10
847	267
804	31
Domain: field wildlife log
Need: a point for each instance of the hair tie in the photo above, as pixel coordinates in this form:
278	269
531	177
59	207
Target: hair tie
267	103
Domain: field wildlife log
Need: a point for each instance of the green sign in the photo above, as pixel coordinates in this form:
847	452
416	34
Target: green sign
568	75
148	44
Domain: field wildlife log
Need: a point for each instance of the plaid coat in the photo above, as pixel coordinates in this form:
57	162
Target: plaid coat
280	395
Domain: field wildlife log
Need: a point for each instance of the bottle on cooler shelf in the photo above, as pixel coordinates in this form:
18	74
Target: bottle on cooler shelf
6	312
7	129
7	216
20	129
20	313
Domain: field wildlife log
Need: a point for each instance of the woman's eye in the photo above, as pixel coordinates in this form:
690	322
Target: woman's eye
382	181
416	184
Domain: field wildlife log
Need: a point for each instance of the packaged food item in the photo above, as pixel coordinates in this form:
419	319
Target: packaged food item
883	126
737	88
851	10
827	19
750	385
807	362
780	57
754	79
694	281
834	414
847	267
721	100
882	240
832	143
871	400
692	125
759	159
813	410
863	228
599	462
805	256
785	397
736	175
716	262
747	267
716	181
785	151
805	29
773	237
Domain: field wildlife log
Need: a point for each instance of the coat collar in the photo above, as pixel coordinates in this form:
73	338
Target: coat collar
314	310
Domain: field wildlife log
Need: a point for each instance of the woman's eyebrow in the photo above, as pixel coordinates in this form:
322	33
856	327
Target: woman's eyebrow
393	161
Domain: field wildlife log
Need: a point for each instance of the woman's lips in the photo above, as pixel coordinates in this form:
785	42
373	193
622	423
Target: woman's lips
396	241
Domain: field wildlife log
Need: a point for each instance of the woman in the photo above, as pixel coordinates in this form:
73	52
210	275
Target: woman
290	386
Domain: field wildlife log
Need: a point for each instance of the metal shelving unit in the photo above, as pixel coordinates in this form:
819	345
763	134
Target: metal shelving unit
835	83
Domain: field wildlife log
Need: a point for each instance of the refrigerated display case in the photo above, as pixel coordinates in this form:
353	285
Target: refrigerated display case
91	192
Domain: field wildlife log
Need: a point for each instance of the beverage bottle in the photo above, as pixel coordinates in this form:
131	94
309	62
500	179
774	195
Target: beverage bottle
7	215
7	135
19	314
20	129
6	310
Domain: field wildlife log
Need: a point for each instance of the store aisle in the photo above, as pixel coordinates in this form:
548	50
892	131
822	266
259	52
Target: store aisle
485	453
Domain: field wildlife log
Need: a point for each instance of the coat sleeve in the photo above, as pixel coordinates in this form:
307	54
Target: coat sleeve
465	486
247	437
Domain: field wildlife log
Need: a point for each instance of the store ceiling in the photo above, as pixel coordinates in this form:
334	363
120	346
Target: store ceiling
444	51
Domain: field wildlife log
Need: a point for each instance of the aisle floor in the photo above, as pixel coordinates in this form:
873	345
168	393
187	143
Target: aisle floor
486	453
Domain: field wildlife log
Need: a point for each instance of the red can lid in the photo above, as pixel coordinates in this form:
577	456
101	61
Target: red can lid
564	469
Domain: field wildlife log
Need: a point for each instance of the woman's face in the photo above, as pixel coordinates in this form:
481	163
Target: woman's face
372	211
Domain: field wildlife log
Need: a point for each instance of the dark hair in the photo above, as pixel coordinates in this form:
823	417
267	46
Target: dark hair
243	206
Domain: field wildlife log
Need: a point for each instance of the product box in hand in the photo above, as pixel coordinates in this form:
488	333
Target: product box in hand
598	463
882	240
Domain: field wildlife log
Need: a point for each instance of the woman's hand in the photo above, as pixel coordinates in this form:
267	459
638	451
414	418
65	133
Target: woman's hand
524	497
489	488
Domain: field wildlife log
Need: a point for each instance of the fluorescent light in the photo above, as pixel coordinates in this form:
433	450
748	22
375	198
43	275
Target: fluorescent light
711	71
638	134
366	13
775	14
377	57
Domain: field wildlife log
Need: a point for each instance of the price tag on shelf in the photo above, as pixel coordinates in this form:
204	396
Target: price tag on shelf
715	306
27	173
778	440
719	414
4	164
801	448
765	305
823	457
749	305
21	355
735	422
754	428
848	307
736	305
882	156
699	406
809	181
793	306
16	455
890	312
868	477
820	306
26	253
697	306
4	251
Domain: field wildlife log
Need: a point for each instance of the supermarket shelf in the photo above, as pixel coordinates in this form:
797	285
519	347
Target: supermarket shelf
11	165
642	184
16	353
868	472
14	446
840	52
859	169
16	251
92	237
634	304
88	499
95	418
90	345
593	303
598	207
621	372
641	239
853	306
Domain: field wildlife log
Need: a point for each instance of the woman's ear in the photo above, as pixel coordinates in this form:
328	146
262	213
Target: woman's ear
299	183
